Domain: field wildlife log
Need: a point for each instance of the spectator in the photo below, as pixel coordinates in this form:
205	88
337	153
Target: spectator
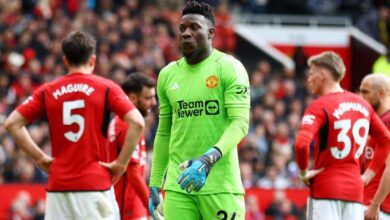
273	180
246	174
252	209
382	64
282	208
21	207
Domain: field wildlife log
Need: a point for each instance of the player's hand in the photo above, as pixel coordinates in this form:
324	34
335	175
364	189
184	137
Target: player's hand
116	169
44	163
306	176
156	209
196	171
372	212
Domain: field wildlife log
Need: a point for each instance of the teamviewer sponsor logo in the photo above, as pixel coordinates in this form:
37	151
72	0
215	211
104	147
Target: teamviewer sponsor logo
212	107
197	108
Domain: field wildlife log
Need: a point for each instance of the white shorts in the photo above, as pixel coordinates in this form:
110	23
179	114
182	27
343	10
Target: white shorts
92	205
321	209
384	216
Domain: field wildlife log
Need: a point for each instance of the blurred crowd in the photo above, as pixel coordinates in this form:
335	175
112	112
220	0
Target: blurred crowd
141	36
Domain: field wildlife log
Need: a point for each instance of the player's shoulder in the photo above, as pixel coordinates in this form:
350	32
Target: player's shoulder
171	67
226	60
342	101
341	97
385	117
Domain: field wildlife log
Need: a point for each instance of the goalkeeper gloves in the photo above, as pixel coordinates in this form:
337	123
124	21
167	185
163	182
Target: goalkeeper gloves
196	171
156	204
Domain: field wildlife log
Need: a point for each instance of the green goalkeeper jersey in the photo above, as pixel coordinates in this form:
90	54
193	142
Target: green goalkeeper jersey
201	106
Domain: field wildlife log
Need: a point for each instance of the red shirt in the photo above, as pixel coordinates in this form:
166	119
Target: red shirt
339	124
371	188
77	108
131	191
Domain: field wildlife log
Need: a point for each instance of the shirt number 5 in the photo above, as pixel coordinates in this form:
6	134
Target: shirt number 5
69	119
345	126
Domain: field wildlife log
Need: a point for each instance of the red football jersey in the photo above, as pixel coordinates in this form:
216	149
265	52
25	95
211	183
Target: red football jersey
371	188
77	108
339	124
131	191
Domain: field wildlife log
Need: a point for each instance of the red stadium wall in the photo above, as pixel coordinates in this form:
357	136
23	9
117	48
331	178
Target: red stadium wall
8	192
265	197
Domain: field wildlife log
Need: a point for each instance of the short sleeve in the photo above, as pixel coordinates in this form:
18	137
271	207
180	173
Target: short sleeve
118	102
236	82
33	107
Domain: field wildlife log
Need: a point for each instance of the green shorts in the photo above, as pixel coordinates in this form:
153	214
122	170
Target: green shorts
219	206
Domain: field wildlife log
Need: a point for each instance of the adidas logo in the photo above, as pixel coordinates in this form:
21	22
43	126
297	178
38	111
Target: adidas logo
175	86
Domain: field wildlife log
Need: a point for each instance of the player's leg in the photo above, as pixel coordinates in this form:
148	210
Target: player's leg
58	206
180	206
352	210
384	215
319	209
222	206
94	205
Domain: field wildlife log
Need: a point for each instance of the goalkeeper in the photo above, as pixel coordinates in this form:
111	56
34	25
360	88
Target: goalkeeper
204	114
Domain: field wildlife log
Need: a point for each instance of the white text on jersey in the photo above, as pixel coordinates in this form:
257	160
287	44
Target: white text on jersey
349	106
70	88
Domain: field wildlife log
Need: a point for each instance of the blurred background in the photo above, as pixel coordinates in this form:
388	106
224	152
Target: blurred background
272	38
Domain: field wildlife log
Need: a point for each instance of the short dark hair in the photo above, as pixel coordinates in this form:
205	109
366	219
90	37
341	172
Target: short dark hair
201	8
135	82
78	47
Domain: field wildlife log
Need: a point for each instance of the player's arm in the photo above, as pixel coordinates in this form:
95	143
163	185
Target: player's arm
312	121
163	135
235	80
119	103
191	178
136	124
160	147
137	181
380	134
15	124
133	172
381	193
237	104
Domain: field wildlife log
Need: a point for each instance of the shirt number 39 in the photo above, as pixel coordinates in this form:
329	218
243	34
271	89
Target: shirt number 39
359	137
68	119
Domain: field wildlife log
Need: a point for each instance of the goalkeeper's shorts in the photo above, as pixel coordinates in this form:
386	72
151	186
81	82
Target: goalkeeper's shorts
217	206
